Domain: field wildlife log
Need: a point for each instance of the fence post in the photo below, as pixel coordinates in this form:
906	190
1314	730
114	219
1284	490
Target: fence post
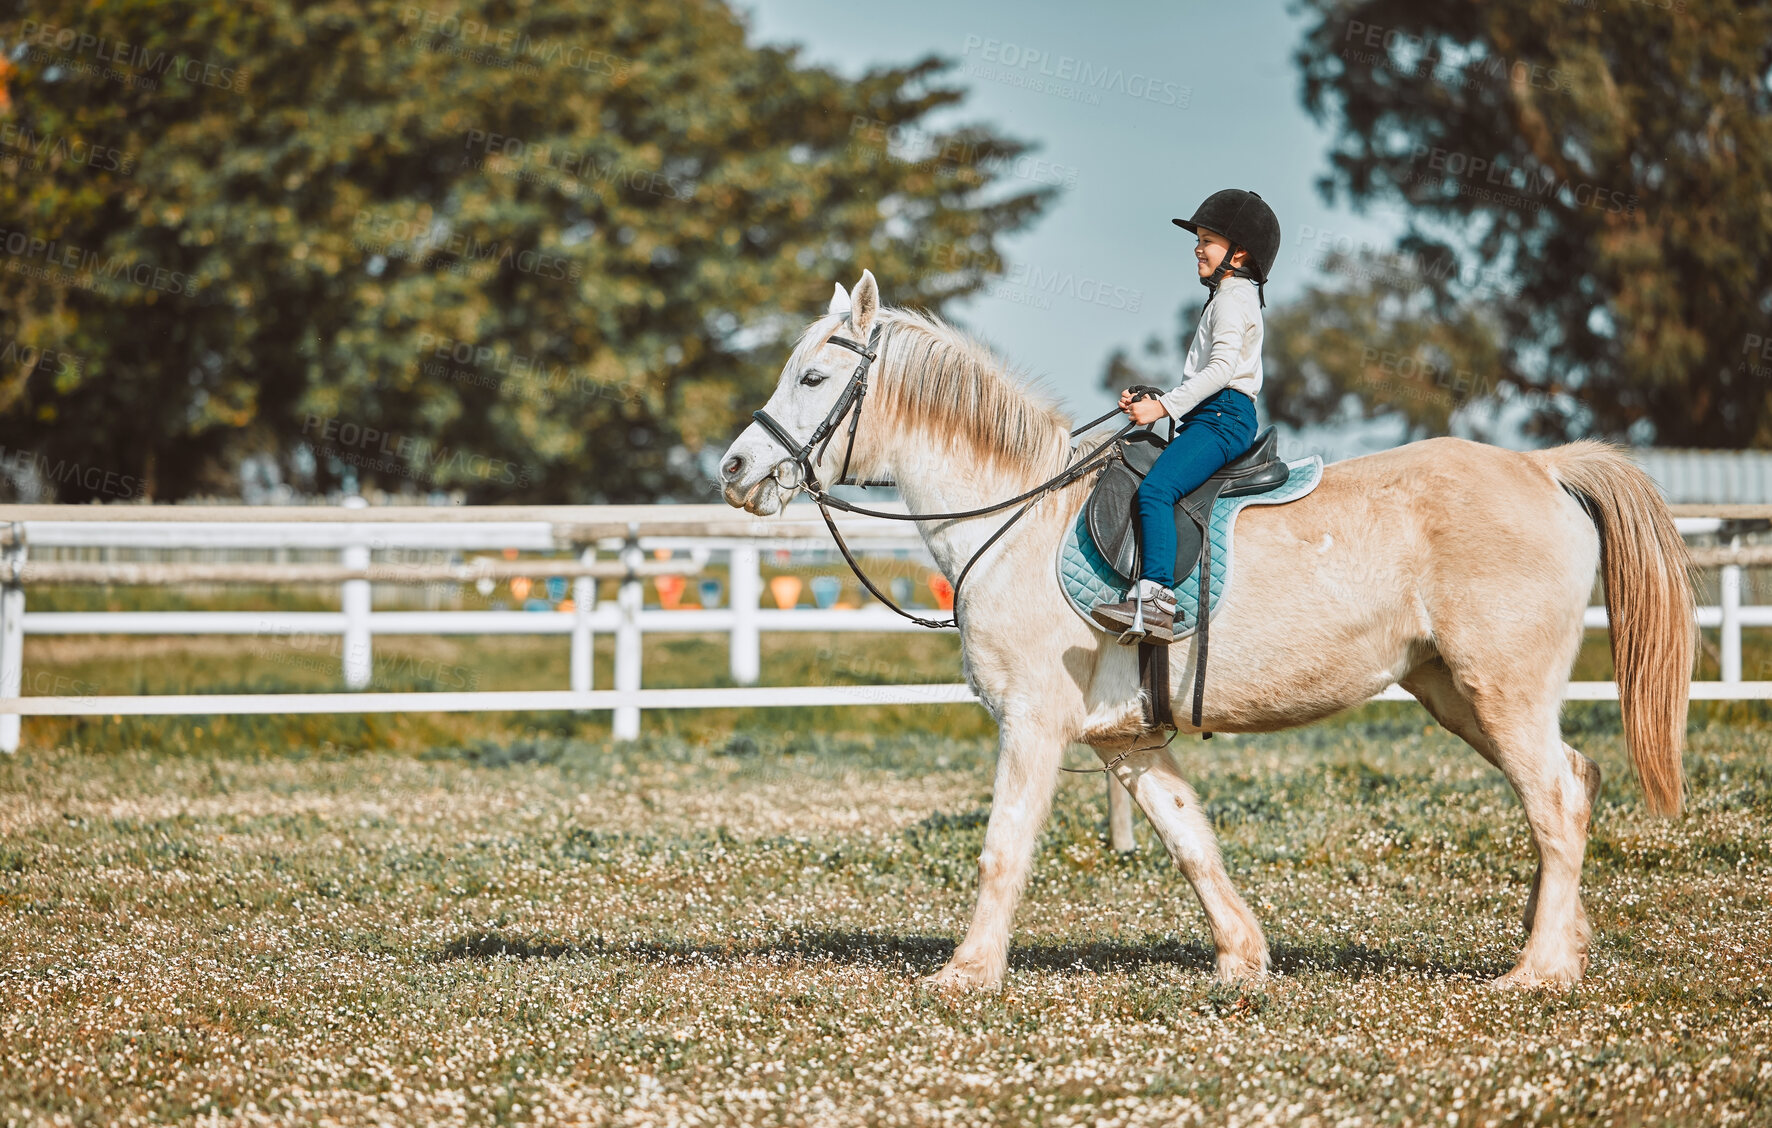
746	584
627	639
1730	592
584	601
354	601
12	635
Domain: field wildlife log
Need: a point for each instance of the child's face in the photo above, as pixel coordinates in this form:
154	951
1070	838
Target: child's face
1209	252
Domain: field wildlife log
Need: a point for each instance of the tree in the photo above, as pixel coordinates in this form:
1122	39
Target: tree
535	252
1376	346
1610	164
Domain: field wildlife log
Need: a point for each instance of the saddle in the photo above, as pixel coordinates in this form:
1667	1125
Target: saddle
1111	516
1112	508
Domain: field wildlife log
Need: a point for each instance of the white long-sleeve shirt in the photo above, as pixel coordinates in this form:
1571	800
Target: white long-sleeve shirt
1226	350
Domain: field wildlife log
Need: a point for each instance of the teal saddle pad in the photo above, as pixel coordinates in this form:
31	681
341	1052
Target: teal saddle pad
1088	581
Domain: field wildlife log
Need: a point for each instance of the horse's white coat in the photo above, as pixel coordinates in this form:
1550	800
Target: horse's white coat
1459	570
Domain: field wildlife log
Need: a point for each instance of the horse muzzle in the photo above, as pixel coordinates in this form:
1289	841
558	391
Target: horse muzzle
763	497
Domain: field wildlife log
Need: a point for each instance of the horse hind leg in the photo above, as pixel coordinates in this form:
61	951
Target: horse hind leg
1557	786
1432	685
1156	784
1588	773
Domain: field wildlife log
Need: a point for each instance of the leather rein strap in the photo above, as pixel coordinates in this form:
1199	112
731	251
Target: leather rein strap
850	403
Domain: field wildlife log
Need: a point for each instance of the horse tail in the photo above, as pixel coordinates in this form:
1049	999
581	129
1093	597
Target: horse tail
1650	606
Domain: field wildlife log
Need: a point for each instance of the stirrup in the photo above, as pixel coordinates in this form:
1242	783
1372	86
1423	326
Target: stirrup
1131	636
1137	632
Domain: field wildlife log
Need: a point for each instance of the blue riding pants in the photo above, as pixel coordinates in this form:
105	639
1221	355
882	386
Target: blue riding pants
1218	429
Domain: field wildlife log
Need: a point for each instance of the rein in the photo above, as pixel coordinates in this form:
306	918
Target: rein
801	457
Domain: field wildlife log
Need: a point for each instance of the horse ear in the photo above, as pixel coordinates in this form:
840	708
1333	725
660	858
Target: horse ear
839	302
864	303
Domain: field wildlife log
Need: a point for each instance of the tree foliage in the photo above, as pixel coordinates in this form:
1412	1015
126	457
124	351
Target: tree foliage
1381	338
1590	197
536	251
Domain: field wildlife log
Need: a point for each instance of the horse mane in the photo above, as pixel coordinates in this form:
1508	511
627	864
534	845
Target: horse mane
940	378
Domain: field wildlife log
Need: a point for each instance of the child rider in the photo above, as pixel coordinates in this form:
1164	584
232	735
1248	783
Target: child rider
1214	405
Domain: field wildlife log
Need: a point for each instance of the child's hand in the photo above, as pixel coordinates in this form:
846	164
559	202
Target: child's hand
1144	412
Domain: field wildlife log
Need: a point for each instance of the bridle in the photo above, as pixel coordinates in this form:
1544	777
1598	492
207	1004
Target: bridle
800	456
804	462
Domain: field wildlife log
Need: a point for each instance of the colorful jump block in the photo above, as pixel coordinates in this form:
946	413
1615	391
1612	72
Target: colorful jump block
942	590
786	590
670	590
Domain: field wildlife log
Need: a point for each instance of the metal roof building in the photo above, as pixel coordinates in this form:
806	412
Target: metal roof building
1722	477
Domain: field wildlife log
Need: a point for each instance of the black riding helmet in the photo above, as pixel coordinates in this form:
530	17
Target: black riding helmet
1245	219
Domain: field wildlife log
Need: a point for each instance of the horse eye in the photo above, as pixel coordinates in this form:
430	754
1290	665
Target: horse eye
813	379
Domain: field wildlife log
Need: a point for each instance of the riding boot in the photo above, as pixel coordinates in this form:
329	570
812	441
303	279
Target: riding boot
1147	614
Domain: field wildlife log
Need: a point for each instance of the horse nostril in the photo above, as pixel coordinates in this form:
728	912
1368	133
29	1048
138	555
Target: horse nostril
732	466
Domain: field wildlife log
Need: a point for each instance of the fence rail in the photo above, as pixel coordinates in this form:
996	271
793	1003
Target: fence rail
150	575
356	532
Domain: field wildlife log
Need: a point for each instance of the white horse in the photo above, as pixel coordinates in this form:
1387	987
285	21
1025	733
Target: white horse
1457	570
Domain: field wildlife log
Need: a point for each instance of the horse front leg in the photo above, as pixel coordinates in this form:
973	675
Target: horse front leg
1021	798
1157	786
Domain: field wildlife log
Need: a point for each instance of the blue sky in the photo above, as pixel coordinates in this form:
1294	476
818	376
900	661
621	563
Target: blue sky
1209	99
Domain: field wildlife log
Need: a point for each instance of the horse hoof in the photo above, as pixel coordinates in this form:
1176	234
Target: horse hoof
1236	969
1524	979
952	980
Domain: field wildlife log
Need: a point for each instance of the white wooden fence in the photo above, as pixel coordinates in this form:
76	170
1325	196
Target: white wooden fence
604	542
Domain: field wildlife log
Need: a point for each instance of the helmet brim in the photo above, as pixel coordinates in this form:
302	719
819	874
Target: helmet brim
1188	225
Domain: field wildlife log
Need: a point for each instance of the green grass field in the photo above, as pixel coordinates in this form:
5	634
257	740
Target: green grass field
472	920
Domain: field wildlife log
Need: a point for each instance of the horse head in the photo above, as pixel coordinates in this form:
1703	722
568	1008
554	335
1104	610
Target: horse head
759	471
